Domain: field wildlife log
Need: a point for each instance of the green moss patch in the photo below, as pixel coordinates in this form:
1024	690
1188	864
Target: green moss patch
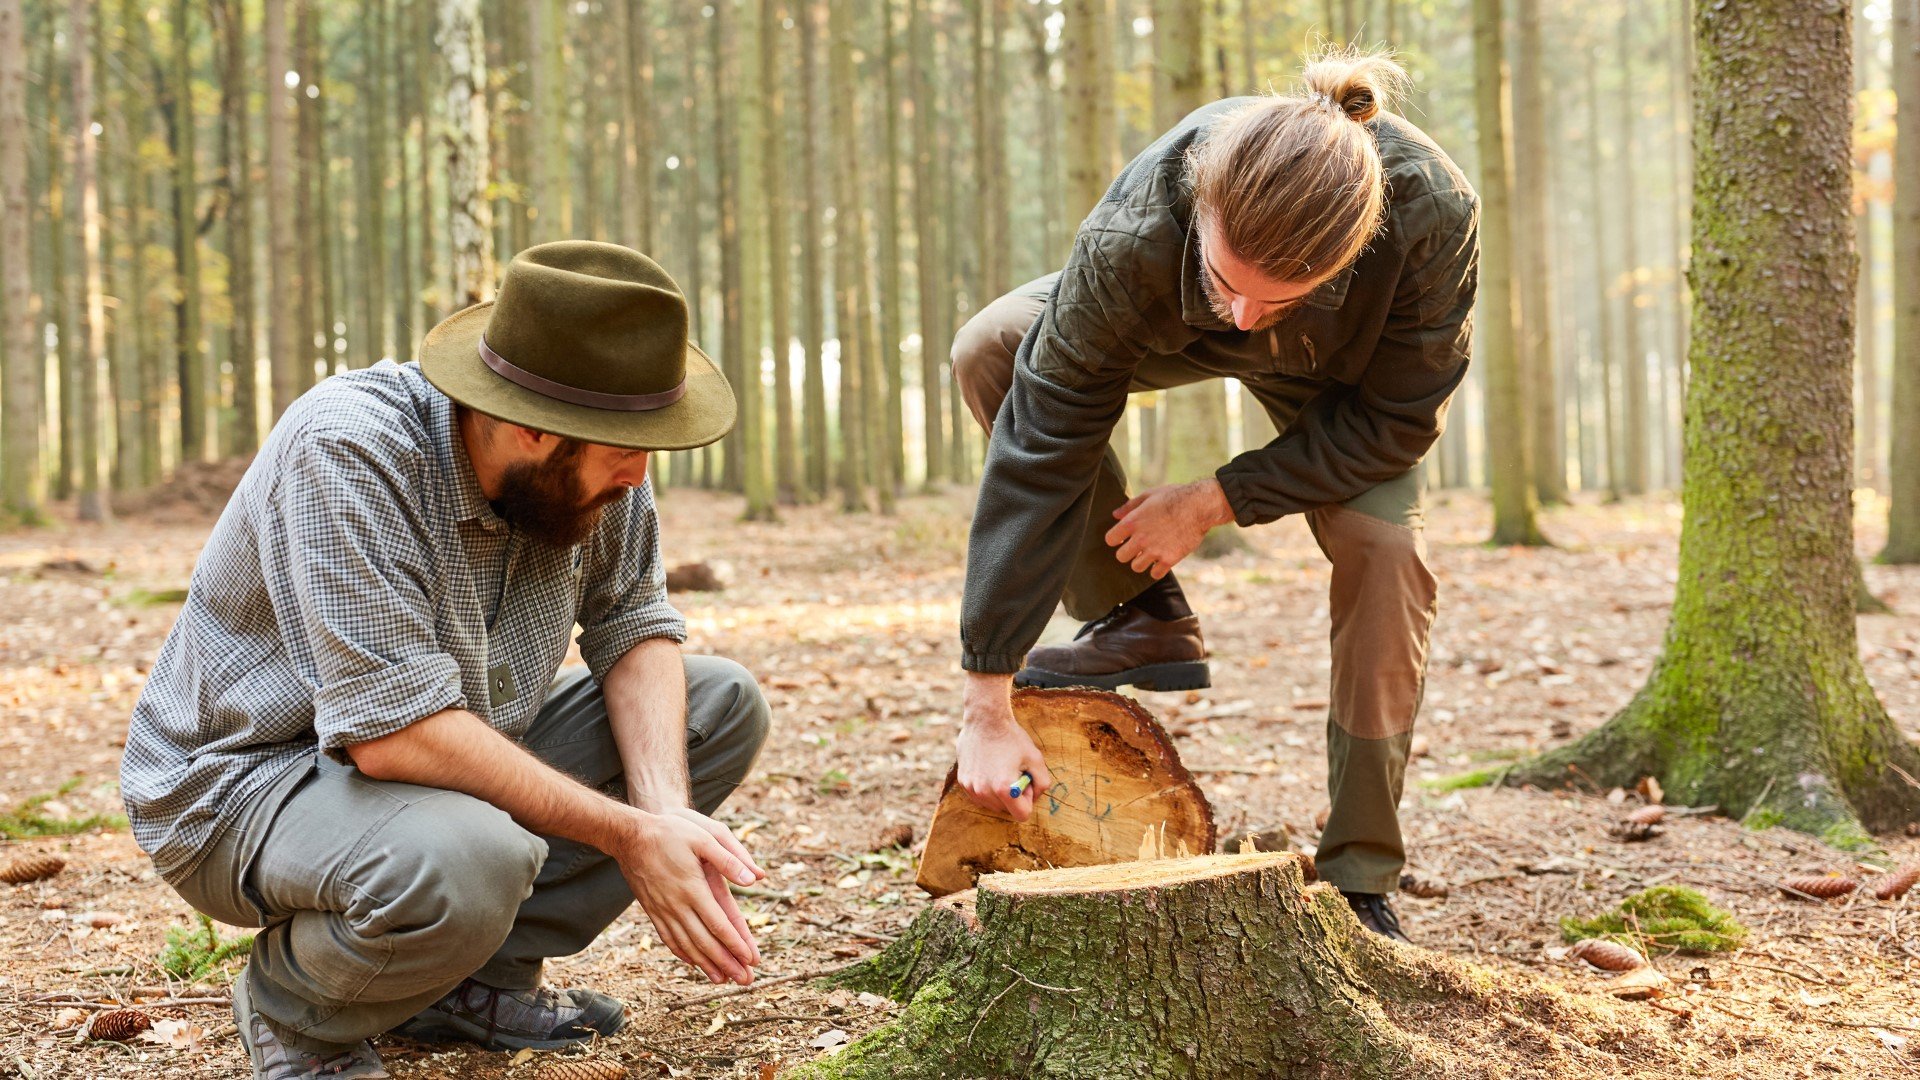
1663	919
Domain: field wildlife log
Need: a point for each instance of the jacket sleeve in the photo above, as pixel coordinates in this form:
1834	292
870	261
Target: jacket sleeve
1348	439
1070	381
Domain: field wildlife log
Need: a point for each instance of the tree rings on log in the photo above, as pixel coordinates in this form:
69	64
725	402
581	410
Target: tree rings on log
1119	794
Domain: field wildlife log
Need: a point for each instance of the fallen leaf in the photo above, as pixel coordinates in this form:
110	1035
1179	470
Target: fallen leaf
871	1000
830	1039
1639	984
179	1034
1889	1040
719	1021
1649	789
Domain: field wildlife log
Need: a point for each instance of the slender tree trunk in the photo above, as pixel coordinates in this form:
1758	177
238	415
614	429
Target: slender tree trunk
59	285
468	169
779	255
133	356
1762	653
637	82
1533	182
1633	372
926	222
283	317
847	252
193	369
755	204
889	356
25	488
1509	446
1903	473
316	240
1603	273
816	477
1087	46
90	337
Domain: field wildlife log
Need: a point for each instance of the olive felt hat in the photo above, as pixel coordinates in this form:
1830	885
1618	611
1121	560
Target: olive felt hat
586	340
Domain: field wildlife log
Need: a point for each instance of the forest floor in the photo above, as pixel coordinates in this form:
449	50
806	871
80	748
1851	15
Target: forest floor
849	622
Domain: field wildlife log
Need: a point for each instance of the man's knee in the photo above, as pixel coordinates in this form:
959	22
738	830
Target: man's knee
447	875
982	367
729	706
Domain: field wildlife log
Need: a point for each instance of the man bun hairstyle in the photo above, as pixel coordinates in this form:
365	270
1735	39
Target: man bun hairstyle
1294	181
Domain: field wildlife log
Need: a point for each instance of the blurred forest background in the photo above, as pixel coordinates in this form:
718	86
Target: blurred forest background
211	204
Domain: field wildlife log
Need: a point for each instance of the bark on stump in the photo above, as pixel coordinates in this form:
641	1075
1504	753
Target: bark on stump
1119	793
1215	966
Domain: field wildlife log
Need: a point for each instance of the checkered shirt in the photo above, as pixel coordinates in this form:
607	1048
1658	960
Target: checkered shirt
357	581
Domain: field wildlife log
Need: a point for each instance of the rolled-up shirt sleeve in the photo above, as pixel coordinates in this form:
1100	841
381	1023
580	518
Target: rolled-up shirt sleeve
624	601
359	561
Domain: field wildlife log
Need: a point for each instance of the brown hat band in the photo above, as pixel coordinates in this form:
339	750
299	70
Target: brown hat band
573	395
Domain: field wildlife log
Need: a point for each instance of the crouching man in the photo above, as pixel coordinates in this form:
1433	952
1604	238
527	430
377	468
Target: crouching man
358	735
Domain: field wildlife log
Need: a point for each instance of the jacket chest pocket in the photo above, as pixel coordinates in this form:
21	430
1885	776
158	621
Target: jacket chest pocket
1292	350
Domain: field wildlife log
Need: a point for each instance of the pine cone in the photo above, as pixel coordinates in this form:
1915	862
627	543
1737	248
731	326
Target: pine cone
1607	955
1630	831
1426	888
1648	815
583	1069
119	1025
1895	884
1821	886
895	836
25	868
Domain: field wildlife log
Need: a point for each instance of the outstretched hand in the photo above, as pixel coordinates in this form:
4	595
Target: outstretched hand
678	865
1162	525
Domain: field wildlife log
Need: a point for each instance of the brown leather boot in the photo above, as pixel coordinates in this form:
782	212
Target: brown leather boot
1126	647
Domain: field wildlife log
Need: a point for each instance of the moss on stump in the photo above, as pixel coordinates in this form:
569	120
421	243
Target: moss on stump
1219	966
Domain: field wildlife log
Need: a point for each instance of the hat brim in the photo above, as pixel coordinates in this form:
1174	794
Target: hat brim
450	359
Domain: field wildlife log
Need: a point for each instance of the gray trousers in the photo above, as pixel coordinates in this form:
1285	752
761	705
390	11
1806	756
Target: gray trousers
378	897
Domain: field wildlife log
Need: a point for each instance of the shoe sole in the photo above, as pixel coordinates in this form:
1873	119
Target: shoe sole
453	1029
1184	675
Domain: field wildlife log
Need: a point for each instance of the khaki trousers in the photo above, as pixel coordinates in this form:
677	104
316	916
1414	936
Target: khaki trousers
379	897
1382	598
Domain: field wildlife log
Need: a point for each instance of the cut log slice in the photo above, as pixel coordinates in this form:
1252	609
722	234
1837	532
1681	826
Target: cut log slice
1119	793
1217	966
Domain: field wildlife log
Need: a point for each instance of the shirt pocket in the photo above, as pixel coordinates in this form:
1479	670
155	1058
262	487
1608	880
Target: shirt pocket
1292	349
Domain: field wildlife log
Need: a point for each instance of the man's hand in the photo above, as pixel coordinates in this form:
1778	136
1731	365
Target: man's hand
1160	526
678	863
995	750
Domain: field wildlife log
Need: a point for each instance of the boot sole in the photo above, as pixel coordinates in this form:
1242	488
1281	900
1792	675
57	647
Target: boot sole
1184	675
447	1029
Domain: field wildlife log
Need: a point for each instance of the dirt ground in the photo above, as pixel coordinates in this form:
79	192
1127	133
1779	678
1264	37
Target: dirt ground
849	621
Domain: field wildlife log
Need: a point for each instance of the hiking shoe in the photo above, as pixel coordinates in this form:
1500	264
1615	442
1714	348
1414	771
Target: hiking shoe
1375	912
275	1060
1125	647
537	1019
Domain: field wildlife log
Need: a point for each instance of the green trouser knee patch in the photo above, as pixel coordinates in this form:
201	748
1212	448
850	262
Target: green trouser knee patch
1361	849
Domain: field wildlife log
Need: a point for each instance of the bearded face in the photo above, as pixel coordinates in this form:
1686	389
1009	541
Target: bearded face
547	499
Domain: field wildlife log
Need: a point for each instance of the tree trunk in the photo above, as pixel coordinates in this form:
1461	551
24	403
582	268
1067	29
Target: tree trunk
1534	213
1509	445
779	256
848	252
1633	371
316	240
1215	967
285	325
548	169
1609	429
1761	663
469	213
637	87
926	223
1087	46
813	479
25	488
91	330
889	285
193	369
237	167
1903	473
134	356
756	202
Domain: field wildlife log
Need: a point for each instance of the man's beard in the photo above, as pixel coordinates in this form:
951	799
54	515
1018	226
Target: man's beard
547	501
1224	310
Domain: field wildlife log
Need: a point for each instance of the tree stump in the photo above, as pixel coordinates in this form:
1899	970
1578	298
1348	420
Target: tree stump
1120	793
1215	966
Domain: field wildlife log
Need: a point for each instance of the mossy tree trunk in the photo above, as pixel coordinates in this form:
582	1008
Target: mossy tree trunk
1220	966
1759	703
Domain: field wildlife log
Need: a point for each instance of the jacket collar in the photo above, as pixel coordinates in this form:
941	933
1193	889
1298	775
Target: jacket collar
1197	313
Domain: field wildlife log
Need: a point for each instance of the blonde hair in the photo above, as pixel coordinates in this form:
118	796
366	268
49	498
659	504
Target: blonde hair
1294	181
